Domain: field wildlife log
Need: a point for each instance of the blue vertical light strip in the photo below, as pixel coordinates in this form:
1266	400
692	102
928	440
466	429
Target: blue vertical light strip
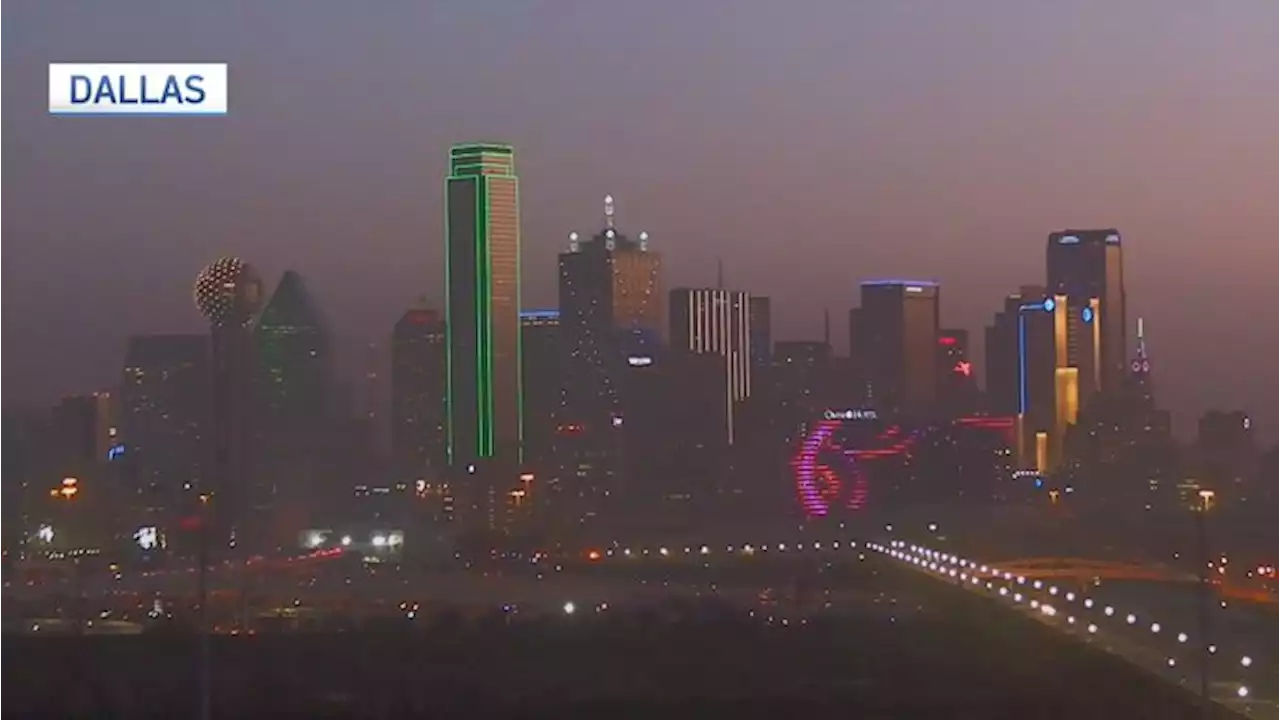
1022	362
1047	305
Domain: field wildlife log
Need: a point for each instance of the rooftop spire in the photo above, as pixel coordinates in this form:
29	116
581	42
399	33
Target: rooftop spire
608	212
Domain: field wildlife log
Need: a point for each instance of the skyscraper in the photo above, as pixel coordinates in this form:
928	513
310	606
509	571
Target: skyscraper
761	317
610	310
716	322
418	395
294	358
1042	356
1083	264
896	345
542	384
482	277
611	322
165	424
957	384
293	389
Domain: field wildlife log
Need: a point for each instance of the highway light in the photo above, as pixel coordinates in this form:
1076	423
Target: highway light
1242	692
1213	649
1182	637
569	608
1071	597
1093	628
1131	618
1108	611
1155	627
1172	662
1246	661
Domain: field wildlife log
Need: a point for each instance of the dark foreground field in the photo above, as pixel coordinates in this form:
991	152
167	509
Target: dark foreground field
922	650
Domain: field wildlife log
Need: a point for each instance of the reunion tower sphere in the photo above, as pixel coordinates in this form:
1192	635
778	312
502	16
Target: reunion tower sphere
228	292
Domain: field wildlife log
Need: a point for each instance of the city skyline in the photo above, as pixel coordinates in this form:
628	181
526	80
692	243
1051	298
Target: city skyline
1198	246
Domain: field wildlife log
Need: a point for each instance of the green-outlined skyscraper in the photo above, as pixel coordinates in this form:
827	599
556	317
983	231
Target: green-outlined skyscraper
482	291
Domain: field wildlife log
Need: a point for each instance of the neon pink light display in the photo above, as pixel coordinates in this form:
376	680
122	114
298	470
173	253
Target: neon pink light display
826	474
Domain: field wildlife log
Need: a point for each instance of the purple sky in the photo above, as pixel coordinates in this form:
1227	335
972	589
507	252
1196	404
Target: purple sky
809	147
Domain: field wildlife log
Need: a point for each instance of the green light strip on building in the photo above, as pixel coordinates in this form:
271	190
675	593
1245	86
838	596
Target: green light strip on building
484	323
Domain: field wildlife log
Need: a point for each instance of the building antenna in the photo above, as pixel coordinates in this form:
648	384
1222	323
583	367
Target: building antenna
608	212
1142	340
719	273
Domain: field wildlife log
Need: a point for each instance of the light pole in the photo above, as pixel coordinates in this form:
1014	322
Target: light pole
202	553
1204	503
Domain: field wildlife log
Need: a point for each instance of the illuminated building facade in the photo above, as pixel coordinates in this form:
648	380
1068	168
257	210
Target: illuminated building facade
482	279
1042	351
851	458
611	323
611	310
418	353
716	322
896	346
1088	265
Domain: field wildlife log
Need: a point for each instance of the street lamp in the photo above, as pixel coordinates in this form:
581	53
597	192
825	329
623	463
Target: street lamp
202	577
1203	505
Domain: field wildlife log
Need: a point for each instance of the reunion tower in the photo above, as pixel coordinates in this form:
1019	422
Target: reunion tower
229	293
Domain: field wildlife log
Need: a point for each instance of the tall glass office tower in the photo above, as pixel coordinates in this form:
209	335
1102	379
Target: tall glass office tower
482	277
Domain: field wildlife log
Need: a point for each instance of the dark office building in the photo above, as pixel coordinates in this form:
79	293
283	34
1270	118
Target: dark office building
716	322
418	396
1228	454
165	417
1003	353
1084	264
542	386
611	323
761	317
958	393
897	337
293	388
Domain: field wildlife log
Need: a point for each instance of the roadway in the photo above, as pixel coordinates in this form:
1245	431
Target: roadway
1155	630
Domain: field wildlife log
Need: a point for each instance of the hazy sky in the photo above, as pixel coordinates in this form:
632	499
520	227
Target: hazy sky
810	144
